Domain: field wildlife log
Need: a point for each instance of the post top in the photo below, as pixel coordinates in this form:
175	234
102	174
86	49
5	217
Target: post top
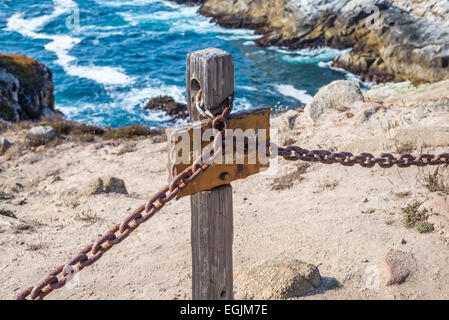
210	52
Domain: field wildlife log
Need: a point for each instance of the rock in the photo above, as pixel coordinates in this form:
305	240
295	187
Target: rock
114	185
398	266
438	9
278	279
168	105
432	96
105	185
438	210
419	136
26	88
4	145
337	94
40	135
394	43
13	223
95	186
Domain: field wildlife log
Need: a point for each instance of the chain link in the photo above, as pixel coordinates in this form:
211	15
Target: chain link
366	160
121	231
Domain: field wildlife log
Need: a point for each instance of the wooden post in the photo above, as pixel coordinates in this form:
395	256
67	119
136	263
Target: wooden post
211	71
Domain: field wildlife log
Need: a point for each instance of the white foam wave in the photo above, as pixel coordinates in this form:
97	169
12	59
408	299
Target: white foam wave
132	101
61	45
139	96
311	55
239	37
184	14
348	75
247	88
242	104
135	3
289	91
186	19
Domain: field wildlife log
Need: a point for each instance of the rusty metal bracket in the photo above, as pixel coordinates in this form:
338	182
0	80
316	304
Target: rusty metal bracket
225	172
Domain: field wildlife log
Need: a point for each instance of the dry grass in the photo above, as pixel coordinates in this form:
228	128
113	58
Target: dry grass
128	147
88	216
404	148
129	132
403	194
326	184
35	247
288	180
434	182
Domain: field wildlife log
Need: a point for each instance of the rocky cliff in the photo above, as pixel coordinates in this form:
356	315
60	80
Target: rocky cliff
26	88
391	40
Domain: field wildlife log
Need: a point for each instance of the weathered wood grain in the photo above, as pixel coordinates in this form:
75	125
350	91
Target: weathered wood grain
212	71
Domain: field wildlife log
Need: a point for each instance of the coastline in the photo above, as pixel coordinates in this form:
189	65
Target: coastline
394	48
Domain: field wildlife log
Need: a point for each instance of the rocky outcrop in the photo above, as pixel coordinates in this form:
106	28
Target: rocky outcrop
26	88
437	9
388	42
167	104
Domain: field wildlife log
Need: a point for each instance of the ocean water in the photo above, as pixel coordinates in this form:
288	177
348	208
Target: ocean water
124	52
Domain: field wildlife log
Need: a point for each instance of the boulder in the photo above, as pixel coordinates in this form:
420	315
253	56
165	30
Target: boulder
114	185
398	266
338	94
95	186
280	279
4	145
104	185
40	135
26	88
168	105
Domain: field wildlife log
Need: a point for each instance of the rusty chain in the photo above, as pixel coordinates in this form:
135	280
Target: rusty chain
135	219
367	160
191	173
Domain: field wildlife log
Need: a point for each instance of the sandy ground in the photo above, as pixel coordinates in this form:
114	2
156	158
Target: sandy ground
343	220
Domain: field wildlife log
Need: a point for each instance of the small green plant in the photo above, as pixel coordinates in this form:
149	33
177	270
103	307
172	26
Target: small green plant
369	211
414	217
424	227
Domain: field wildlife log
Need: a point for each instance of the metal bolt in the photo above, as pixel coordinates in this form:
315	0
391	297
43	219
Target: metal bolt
224	176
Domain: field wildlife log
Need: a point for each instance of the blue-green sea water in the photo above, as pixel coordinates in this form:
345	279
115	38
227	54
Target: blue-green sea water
124	52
